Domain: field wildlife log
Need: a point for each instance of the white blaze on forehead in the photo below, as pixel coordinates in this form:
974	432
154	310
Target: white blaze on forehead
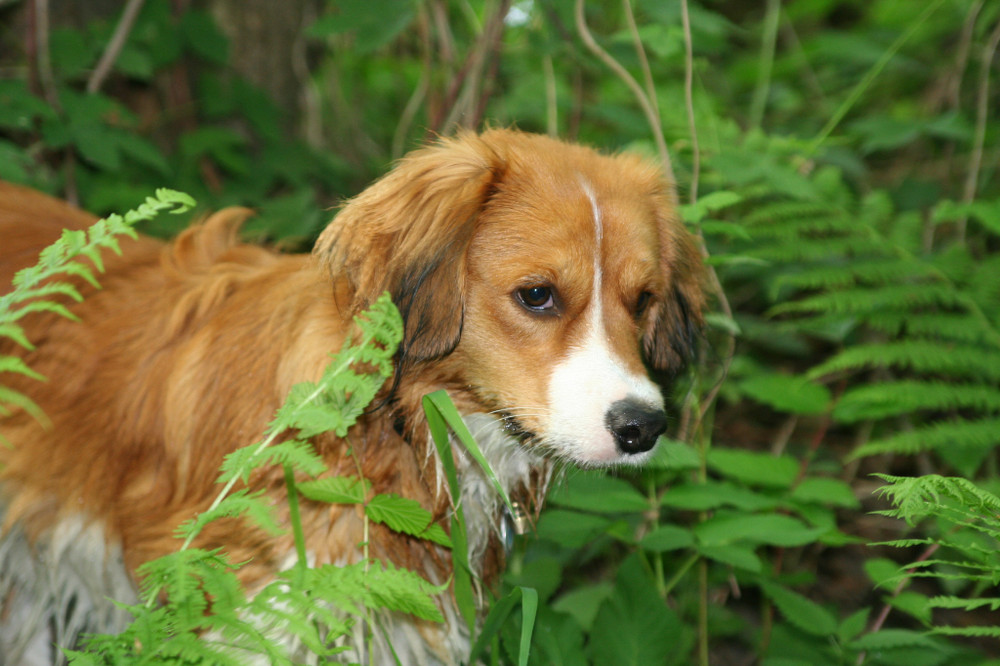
592	377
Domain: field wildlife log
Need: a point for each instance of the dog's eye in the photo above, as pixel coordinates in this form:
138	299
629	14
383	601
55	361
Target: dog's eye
642	304
536	298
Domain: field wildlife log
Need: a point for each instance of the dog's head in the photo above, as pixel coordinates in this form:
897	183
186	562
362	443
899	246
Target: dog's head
546	272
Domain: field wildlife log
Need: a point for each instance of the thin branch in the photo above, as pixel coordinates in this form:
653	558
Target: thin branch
640	52
689	100
979	137
115	46
551	99
869	77
766	63
629	80
419	93
46	77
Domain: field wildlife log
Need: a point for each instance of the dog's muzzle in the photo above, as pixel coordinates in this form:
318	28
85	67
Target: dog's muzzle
635	425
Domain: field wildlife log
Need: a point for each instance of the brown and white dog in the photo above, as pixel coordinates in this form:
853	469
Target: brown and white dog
534	278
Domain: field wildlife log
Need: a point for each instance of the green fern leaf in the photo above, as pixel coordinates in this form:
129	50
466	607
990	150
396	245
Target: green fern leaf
979	434
336	490
405	515
955	360
894	398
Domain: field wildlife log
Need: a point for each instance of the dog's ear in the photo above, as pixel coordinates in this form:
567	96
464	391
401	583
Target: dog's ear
671	336
408	234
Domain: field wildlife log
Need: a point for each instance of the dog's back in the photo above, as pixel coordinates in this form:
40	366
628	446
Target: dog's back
116	458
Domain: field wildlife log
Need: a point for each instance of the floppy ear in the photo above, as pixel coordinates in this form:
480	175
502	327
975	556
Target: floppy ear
408	234
671	337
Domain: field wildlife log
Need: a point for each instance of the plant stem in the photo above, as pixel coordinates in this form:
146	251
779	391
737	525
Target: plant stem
979	135
295	517
114	47
760	94
869	78
647	106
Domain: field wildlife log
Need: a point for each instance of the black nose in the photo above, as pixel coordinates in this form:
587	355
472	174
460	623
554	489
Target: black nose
635	425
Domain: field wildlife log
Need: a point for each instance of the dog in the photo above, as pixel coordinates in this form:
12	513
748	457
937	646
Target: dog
537	281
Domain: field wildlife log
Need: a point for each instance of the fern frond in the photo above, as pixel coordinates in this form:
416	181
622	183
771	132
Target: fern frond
979	434
376	584
242	503
948	326
969	632
959	361
295	452
892	398
840	273
820	250
993	603
866	299
911	495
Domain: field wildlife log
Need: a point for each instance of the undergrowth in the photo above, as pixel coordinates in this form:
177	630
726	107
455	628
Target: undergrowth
839	161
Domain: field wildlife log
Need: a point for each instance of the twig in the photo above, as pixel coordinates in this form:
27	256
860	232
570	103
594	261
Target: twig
870	77
114	47
689	101
767	44
640	52
633	85
419	93
979	137
887	608
551	99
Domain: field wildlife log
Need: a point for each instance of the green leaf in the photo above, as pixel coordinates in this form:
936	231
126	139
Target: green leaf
799	611
600	493
912	603
372	22
882	571
582	603
667	537
715	494
738	556
773	528
853	625
398	513
888	639
336	490
754	468
635	627
785	393
670	455
825	491
570	528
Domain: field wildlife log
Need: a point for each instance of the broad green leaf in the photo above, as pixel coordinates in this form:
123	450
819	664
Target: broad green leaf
772	528
398	513
739	556
714	494
883	571
853	625
667	537
754	468
670	455
912	603
826	491
635	627
600	493
799	611
571	528
582	603
336	490
785	393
